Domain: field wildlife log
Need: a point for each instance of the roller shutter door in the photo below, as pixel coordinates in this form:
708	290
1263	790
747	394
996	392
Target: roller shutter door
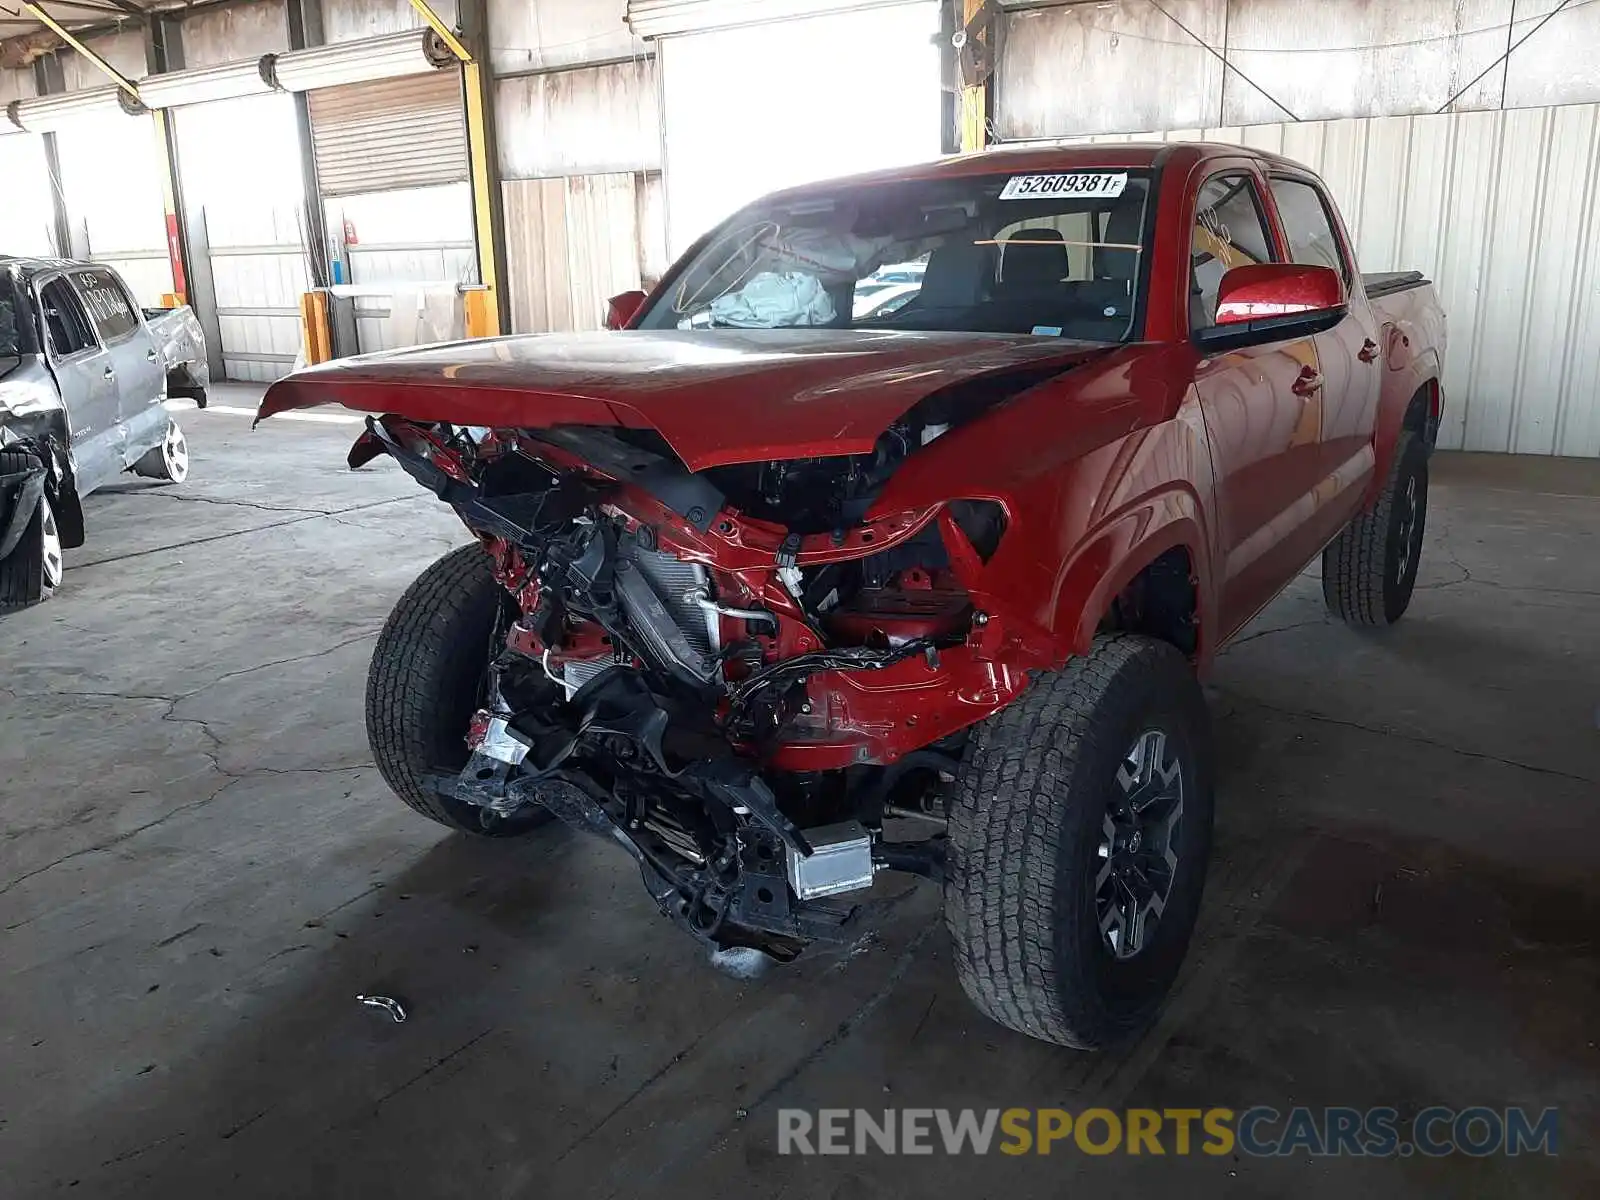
393	133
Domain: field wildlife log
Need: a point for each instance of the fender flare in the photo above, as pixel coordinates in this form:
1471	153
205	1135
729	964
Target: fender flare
1417	378
1114	555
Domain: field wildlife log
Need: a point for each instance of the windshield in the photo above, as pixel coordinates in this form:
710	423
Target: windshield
1054	255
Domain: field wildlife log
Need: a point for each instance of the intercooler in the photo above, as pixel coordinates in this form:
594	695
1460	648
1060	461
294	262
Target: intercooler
663	599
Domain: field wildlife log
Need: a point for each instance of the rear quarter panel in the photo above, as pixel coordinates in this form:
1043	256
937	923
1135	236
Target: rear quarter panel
1413	339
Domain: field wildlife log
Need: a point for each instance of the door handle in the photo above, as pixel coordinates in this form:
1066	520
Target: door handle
109	373
150	355
1369	351
1309	382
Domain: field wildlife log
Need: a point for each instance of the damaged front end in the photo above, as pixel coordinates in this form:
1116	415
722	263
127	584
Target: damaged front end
745	676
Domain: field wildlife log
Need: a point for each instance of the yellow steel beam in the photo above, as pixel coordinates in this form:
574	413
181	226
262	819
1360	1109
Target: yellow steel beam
121	80
483	183
974	99
169	205
446	34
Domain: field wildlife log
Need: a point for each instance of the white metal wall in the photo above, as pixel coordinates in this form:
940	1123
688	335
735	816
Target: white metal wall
1502	211
1083	68
241	174
752	109
412	248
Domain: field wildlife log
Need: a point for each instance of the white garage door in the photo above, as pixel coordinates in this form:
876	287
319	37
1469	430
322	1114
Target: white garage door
760	107
120	224
241	176
26	215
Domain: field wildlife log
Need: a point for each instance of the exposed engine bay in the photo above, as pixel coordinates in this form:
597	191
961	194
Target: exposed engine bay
738	674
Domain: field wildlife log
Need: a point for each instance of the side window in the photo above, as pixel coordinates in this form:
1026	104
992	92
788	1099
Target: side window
1230	231
1308	226
107	303
64	319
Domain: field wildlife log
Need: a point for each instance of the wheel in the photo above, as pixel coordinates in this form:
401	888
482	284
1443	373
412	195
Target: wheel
169	461
1370	570
34	568
1080	826
426	682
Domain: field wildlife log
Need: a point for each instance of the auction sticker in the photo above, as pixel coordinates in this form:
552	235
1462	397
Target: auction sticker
1089	185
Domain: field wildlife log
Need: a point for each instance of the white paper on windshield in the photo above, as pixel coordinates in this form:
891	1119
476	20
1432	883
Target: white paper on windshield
1088	185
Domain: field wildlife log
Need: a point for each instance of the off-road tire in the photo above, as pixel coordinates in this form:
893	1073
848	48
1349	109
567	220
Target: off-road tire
1363	582
1025	826
424	685
23	577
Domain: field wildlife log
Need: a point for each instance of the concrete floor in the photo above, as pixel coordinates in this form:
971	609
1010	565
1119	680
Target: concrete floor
199	869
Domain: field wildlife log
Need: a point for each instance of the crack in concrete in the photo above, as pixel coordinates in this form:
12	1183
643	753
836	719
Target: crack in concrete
431	1068
1237	642
161	494
1415	738
230	778
645	1085
842	1031
314	514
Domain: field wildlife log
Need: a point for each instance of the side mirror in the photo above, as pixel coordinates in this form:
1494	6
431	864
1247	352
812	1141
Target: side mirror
1269	302
621	309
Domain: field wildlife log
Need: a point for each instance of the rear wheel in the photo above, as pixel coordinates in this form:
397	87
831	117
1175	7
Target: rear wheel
1079	834
427	680
1369	571
169	461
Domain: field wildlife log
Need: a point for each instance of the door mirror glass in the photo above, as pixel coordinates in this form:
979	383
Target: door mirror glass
1270	302
621	309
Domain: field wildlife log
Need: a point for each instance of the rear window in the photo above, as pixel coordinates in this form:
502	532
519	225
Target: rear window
108	304
1308	226
65	322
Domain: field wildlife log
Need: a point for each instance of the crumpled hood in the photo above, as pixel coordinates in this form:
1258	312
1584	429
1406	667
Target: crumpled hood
716	396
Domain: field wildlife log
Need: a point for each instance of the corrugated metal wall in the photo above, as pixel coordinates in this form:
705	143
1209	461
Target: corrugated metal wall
1502	210
575	242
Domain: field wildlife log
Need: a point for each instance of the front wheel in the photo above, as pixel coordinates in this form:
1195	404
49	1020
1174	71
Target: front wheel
1370	570
34	568
427	680
1079	834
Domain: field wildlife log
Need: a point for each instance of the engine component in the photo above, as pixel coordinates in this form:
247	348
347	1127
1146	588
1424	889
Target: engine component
840	861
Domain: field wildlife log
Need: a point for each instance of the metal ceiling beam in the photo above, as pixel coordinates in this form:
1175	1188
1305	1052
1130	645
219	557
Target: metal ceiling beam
100	64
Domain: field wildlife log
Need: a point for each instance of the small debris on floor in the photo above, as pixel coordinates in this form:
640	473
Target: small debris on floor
389	1004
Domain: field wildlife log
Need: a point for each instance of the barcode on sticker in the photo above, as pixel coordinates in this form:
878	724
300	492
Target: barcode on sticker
1091	185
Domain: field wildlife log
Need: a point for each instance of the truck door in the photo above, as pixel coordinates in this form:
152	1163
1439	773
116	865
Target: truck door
141	376
1347	353
1261	406
87	380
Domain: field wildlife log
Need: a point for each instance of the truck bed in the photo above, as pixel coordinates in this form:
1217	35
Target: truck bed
1387	283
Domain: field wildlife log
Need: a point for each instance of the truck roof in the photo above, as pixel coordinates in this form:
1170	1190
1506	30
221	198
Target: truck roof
1095	156
27	267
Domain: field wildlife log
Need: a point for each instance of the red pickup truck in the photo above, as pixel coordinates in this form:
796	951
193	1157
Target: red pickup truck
777	596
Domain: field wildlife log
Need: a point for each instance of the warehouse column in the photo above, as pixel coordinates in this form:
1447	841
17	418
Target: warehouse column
163	52
974	43
489	311
48	82
305	30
